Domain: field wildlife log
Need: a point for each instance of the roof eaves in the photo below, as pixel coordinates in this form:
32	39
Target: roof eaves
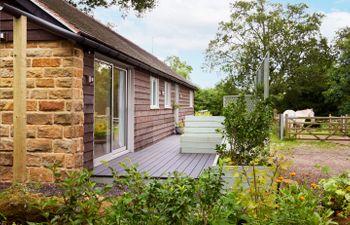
60	19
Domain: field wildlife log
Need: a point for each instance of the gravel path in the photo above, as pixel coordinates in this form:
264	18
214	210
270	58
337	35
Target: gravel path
309	160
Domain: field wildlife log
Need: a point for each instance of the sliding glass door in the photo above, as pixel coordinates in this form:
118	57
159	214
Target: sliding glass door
110	109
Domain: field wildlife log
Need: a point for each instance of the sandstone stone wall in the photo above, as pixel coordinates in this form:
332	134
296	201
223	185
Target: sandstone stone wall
55	115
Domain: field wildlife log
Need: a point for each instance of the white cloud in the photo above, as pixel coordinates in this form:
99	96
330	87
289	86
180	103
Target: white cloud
175	25
333	21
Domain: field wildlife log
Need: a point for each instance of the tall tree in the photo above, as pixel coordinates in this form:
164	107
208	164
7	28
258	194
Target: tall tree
338	92
139	6
180	67
298	52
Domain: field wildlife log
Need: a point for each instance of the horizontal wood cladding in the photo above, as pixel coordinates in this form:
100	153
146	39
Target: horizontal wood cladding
88	91
34	33
152	125
184	102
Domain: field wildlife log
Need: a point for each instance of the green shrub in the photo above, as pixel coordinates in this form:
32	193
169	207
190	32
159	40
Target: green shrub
246	132
337	193
298	205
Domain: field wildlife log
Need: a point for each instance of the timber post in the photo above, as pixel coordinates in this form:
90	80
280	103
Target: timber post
19	97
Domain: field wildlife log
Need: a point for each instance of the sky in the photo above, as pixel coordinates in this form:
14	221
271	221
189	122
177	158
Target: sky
185	27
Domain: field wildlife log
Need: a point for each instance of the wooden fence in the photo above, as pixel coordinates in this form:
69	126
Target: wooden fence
316	128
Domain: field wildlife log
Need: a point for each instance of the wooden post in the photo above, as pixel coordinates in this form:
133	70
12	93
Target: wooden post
286	126
19	98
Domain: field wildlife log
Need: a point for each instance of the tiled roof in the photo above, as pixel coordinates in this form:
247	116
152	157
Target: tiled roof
88	26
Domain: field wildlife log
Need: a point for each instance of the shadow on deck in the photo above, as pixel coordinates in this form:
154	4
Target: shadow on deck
160	159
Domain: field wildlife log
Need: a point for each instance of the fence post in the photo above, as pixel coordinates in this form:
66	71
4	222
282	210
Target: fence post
281	126
19	98
286	125
346	124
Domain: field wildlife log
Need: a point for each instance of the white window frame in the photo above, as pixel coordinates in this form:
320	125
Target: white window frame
154	105
167	95
191	99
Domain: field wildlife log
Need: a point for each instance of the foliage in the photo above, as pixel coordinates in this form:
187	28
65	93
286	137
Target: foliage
139	6
246	132
300	56
202	113
100	127
299	205
177	200
337	193
178	66
211	99
338	92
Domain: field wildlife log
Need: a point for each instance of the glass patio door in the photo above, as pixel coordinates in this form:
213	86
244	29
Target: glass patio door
110	109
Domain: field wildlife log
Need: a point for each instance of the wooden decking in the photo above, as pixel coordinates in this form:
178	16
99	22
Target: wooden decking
160	159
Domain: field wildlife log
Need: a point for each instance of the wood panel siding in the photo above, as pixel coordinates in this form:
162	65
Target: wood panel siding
88	90
34	32
184	102
152	125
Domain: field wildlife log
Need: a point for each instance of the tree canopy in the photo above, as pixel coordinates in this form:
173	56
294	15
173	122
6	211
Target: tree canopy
178	66
338	92
139	6
300	56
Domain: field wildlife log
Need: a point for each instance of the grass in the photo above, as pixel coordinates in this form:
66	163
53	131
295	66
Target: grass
288	145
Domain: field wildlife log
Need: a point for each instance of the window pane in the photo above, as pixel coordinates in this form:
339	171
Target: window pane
102	115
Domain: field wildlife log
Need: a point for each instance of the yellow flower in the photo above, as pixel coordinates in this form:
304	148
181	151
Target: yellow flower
301	198
313	185
281	178
278	181
292	174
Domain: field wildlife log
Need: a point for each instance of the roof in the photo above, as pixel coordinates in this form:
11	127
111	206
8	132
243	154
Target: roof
85	25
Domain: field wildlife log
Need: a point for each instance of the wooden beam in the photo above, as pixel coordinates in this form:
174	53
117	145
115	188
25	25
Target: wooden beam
19	98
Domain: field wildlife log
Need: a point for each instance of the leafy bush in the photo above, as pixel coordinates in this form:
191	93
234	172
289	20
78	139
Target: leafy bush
298	205
337	193
246	132
177	200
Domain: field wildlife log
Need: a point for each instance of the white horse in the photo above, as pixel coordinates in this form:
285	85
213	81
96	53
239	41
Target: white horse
303	113
291	114
300	113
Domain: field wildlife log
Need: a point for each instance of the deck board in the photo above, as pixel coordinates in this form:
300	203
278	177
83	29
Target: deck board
160	159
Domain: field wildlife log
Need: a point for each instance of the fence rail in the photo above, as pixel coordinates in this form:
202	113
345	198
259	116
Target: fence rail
316	128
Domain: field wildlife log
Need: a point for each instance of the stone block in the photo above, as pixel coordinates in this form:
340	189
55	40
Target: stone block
54	132
39	94
6	159
46	62
38	174
35	72
51	105
6	144
62	52
61	94
39	145
7	118
64	82
6	93
37	52
34	160
39	119
4	130
64	146
6	82
45	83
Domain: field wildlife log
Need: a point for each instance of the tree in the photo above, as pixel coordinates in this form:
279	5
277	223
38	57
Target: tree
139	6
338	92
298	52
211	99
178	66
